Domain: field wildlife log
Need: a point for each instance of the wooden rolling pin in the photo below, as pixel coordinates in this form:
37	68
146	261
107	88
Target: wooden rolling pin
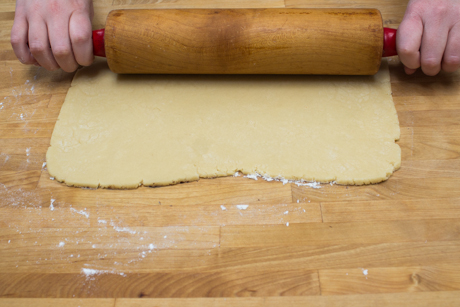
245	41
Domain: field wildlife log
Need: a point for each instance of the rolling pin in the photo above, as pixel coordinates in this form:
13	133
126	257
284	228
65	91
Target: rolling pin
245	41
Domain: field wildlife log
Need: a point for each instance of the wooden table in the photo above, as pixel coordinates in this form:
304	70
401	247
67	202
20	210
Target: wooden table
392	244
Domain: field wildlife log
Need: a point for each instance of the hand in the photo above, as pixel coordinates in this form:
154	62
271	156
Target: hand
429	36
53	33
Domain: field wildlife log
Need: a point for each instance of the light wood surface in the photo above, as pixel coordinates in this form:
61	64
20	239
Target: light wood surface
177	245
245	41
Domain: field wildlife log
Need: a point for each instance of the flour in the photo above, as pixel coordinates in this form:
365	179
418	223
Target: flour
314	185
51	204
124	229
61	244
253	176
91	272
81	212
242	207
301	182
223	208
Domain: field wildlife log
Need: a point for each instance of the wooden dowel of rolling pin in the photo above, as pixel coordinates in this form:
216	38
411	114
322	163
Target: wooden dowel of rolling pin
244	41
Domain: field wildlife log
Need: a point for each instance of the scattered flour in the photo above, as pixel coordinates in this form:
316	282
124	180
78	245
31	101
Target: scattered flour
314	184
223	207
252	176
286	212
82	212
61	244
242	207
51	204
90	272
123	229
287	224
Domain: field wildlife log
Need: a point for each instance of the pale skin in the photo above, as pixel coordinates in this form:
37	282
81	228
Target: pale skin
57	34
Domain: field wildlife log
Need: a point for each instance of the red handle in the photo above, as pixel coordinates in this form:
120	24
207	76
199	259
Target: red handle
389	42
98	42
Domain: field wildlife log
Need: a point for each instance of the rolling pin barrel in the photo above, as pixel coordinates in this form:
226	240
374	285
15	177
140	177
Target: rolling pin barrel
245	41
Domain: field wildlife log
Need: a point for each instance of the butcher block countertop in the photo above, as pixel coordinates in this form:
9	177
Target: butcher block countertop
391	244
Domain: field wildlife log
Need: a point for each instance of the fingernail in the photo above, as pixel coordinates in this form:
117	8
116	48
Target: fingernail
38	65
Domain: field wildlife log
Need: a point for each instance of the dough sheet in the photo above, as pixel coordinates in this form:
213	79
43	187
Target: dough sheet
123	131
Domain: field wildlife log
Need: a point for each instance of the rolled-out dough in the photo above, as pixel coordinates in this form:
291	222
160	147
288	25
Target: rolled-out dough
124	131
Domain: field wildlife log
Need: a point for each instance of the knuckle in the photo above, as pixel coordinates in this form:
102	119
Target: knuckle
55	7
453	61
86	62
439	9
430	63
405	51
81	37
431	67
16	39
70	68
61	51
36	47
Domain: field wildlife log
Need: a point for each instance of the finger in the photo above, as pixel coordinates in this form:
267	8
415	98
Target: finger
39	45
451	59
409	71
433	45
19	38
58	30
81	38
408	41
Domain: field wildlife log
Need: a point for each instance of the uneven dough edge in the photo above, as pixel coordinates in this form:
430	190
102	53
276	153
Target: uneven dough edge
193	174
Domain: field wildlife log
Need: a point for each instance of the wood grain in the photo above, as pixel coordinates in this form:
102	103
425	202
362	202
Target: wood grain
390	280
57	302
176	246
169	284
397	300
391	210
442	298
230	41
318	234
